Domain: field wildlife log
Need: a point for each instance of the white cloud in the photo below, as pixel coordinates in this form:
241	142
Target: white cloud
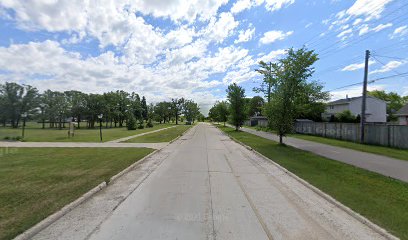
272	36
270	5
391	65
245	36
272	56
356	66
354	91
219	29
367	8
399	32
366	29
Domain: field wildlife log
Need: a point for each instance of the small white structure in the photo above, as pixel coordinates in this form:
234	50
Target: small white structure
402	115
376	109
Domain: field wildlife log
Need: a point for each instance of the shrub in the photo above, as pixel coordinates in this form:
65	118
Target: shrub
141	125
149	124
131	123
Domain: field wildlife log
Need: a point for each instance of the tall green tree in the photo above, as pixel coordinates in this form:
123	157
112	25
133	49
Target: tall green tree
145	110
394	101
191	110
236	98
255	106
268	81
177	107
288	97
17	99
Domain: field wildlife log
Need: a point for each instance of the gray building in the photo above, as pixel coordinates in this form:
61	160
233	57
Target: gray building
402	115
376	110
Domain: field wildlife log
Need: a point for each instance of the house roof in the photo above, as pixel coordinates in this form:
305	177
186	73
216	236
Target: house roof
348	100
403	110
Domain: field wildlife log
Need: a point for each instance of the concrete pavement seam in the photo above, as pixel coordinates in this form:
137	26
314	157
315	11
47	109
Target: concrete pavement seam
352	213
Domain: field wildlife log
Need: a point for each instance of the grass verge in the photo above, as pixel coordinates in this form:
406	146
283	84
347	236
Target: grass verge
380	150
381	199
34	133
162	136
36	182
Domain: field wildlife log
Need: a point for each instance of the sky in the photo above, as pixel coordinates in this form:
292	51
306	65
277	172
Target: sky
195	48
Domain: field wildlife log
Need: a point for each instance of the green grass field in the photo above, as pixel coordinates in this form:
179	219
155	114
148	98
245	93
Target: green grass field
386	151
381	199
34	133
162	136
35	182
380	150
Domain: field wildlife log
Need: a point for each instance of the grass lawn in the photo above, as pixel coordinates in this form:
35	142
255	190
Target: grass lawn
35	182
381	199
161	136
34	133
380	150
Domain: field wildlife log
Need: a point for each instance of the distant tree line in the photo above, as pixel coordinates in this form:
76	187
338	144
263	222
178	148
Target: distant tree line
55	108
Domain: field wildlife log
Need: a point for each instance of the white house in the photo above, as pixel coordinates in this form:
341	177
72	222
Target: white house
402	115
376	109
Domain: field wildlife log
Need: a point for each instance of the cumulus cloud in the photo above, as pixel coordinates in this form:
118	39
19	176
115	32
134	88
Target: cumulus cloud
399	32
391	65
245	36
356	66
272	36
270	5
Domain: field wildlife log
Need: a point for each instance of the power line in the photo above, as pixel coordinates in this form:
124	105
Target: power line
370	81
376	55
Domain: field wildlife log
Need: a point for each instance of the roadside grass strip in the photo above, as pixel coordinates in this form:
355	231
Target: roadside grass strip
163	136
380	150
34	133
382	200
36	182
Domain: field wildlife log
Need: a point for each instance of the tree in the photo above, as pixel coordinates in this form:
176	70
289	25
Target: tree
219	112
292	73
269	79
255	106
394	101
177	107
145	109
131	122
17	99
236	98
191	110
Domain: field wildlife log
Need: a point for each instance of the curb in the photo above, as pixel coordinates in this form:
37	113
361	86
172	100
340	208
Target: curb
179	136
328	198
31	232
126	170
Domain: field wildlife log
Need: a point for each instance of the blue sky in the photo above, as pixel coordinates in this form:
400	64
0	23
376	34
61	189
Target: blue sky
194	49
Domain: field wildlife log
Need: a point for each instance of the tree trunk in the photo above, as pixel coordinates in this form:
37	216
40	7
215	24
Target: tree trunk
280	139
224	124
236	127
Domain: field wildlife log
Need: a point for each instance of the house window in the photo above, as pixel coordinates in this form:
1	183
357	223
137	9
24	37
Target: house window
331	107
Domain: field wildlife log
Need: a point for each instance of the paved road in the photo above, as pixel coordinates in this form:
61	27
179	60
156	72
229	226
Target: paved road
82	145
387	166
205	186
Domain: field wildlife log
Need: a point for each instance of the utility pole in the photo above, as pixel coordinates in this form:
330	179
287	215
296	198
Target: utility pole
364	100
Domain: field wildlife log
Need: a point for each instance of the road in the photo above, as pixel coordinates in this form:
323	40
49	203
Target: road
205	186
387	166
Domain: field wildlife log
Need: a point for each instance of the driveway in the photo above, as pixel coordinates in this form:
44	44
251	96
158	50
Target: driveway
205	186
